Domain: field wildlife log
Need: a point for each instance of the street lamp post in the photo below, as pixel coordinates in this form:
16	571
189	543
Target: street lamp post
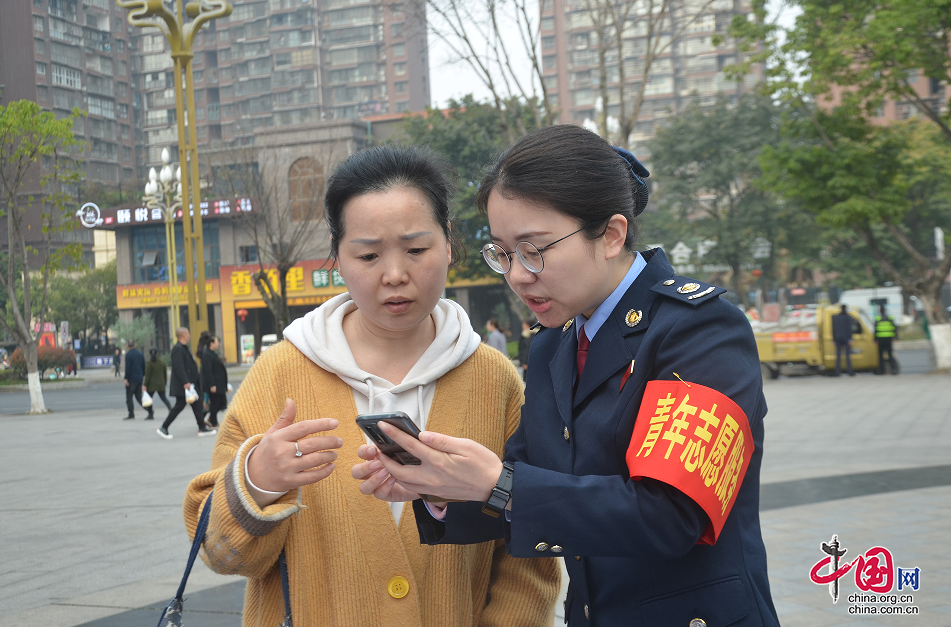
164	192
181	37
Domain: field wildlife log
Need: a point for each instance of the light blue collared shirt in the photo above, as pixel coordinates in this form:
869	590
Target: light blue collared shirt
604	310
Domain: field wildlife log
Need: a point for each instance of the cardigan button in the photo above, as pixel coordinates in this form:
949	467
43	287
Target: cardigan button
564	432
398	587
541	546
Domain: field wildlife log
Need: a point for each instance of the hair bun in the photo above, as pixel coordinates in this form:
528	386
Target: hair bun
639	187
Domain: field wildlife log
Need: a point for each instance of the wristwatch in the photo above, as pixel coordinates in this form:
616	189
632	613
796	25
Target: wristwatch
501	493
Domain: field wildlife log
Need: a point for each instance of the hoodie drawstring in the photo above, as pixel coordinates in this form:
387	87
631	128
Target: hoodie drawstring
370	394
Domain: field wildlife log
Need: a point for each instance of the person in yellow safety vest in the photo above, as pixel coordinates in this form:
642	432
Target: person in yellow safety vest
885	332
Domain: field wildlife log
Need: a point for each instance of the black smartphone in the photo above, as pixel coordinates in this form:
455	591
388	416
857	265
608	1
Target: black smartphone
368	423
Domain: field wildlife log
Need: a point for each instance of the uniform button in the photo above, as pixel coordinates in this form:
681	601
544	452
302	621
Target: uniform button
556	549
586	615
541	546
398	587
698	622
565	433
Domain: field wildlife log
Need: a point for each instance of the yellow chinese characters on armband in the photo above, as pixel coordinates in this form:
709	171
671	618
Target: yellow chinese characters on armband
695	439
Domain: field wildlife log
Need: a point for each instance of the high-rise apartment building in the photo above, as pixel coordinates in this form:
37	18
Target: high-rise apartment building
63	54
285	63
690	68
74	53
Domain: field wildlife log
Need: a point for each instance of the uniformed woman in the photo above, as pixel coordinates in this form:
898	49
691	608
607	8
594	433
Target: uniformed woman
640	445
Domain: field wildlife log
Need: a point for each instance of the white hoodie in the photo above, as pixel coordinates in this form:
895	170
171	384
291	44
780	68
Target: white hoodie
319	336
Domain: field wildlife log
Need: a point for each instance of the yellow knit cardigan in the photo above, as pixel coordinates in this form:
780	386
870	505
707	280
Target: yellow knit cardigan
343	548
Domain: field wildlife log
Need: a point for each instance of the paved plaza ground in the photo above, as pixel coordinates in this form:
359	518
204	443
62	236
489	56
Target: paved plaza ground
91	529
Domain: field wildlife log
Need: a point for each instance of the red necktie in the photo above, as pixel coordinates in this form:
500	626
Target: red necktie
583	343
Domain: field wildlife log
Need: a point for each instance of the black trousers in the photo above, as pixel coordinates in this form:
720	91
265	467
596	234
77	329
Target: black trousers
179	406
161	395
216	403
134	389
840	349
885	348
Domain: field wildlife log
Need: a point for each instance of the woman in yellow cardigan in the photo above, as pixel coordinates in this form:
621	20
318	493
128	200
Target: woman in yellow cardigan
390	344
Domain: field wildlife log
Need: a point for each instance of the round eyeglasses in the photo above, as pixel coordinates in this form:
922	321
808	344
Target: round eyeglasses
528	254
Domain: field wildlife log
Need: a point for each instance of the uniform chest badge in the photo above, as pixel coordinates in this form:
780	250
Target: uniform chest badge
688	288
633	317
567	325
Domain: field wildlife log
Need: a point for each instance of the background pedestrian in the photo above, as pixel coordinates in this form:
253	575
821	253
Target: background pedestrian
185	376
156	378
496	337
885	333
134	374
116	359
214	378
842	336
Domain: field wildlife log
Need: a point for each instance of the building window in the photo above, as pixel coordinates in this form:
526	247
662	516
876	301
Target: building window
38	23
548	43
548	61
248	254
66	76
120	45
397	11
123	68
40	47
400	87
123	111
40	68
399	50
396	30
399	69
149	245
306	186
402	107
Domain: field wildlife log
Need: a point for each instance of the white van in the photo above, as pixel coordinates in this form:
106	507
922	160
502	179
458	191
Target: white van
267	341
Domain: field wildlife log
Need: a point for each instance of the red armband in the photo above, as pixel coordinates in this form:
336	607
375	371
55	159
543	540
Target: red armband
695	439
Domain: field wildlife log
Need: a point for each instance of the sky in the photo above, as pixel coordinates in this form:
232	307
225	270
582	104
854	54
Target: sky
454	80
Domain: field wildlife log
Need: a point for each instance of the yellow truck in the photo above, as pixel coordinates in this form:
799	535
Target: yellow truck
804	338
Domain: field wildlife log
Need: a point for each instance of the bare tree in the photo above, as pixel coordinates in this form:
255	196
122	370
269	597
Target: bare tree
287	225
475	31
655	24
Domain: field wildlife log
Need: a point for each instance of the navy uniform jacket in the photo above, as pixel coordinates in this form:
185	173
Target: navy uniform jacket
630	547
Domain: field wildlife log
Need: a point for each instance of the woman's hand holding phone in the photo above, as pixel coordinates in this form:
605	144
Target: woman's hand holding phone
274	465
376	480
454	468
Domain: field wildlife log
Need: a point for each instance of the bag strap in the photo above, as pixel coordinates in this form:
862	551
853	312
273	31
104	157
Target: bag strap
178	602
196	543
285	586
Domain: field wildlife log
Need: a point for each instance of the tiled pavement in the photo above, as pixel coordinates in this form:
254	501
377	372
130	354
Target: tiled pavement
91	532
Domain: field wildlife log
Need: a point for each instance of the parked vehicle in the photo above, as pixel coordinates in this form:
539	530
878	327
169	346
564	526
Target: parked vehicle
267	341
804	337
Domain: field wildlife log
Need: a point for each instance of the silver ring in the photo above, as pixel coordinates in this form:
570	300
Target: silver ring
298	453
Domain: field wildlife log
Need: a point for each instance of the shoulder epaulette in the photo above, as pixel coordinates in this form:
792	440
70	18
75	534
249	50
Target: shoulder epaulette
687	290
